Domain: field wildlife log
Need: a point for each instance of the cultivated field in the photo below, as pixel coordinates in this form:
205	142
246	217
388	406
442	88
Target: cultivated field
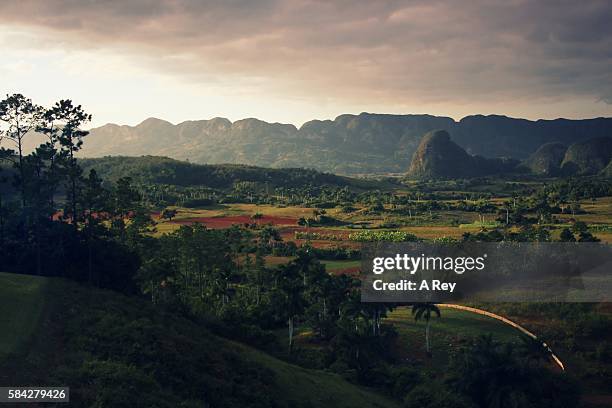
453	224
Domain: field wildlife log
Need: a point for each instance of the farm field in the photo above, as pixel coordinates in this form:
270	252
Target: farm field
598	211
452	224
224	216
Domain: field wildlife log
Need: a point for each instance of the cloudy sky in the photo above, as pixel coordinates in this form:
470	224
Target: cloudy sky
295	60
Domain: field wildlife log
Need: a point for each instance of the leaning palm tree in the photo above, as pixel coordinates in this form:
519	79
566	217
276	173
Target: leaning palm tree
424	311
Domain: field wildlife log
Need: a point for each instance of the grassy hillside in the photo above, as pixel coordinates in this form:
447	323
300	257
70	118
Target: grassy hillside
21	303
114	350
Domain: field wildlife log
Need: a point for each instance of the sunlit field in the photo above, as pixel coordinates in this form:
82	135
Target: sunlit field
452	224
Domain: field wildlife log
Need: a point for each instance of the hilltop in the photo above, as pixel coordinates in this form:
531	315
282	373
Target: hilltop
588	157
439	157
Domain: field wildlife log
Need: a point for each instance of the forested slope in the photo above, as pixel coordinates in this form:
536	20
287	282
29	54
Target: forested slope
114	350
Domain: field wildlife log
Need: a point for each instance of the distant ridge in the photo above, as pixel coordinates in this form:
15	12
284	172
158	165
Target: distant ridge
349	144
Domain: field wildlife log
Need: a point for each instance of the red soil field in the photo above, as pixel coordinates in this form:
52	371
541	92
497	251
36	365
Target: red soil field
226	222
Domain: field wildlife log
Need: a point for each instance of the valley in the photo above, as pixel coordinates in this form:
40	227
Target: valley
238	285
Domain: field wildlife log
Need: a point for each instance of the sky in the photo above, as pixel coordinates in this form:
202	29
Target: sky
292	61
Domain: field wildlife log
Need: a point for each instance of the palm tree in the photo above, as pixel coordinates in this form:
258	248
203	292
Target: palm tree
291	297
424	311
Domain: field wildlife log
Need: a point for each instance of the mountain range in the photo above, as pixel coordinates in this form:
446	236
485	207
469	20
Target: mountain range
349	144
440	157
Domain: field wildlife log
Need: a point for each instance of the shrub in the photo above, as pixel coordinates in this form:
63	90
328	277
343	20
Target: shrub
374	236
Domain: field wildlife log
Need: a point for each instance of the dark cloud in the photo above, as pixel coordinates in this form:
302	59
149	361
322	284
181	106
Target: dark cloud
391	50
